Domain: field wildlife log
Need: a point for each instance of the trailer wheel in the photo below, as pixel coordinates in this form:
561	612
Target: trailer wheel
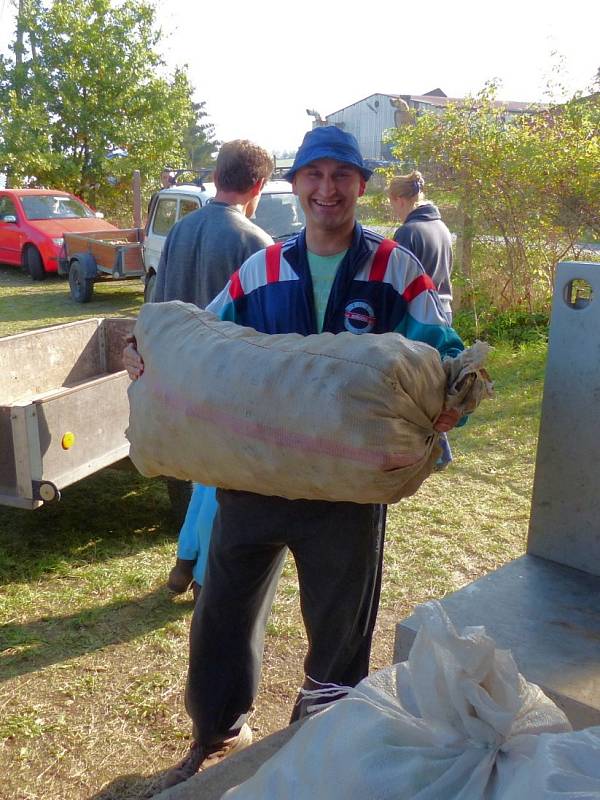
33	264
82	287
180	493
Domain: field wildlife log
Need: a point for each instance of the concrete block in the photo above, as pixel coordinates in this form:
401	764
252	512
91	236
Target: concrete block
565	510
548	615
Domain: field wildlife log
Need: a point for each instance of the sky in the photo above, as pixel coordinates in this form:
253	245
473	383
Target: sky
259	65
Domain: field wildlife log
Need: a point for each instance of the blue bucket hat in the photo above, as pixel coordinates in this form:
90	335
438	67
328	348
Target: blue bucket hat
328	141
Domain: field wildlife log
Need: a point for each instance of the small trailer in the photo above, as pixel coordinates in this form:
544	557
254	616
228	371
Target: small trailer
63	407
64	411
92	256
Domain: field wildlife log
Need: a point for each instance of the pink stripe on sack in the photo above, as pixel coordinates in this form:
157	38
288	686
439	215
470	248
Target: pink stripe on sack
279	436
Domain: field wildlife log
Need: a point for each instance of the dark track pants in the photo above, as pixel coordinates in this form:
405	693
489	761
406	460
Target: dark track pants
337	548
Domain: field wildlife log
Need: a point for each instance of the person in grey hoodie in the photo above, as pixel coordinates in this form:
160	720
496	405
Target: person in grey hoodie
423	232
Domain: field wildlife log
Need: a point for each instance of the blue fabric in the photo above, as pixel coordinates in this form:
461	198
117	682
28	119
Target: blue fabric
194	536
446	457
328	141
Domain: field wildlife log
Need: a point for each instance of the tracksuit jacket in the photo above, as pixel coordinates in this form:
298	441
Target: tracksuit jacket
379	287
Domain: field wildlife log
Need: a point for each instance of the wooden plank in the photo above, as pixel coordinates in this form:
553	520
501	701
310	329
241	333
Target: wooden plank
108	255
132	259
130	234
110	249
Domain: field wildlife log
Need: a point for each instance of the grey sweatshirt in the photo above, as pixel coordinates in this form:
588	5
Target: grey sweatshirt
203	250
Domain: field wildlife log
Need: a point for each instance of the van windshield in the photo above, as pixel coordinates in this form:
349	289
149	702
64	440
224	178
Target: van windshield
279	214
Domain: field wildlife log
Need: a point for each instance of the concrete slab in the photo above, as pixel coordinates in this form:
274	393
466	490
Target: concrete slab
565	510
548	615
212	784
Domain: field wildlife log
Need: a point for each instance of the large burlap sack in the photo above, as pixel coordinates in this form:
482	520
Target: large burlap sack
455	722
330	417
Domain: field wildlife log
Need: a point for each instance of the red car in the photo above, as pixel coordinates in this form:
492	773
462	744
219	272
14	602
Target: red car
32	223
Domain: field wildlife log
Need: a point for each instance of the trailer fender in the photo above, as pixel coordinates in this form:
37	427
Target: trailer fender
87	264
82	274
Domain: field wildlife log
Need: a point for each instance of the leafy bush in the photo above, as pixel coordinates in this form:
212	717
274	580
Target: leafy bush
496	327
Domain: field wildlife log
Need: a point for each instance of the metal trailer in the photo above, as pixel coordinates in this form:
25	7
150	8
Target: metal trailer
92	256
63	407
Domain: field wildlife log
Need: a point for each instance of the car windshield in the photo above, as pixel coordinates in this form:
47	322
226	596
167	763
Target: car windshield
279	214
48	206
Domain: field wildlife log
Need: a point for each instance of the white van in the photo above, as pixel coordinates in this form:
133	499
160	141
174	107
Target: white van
278	213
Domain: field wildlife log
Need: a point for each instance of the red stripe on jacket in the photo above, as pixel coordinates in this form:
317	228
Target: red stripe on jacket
421	284
236	290
380	259
273	261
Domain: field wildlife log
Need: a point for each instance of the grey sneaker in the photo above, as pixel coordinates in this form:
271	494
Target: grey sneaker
201	757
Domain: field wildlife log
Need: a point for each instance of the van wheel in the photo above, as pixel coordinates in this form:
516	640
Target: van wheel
149	287
82	287
33	264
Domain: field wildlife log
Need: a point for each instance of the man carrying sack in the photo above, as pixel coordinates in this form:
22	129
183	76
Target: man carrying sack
333	276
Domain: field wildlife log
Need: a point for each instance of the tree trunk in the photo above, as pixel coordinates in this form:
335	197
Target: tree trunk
464	258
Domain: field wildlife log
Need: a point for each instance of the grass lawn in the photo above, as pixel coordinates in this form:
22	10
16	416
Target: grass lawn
26	304
94	650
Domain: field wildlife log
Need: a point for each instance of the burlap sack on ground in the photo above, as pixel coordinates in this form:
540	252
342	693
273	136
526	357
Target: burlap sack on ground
329	417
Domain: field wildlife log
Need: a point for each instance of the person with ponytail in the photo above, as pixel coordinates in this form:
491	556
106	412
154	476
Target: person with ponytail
423	232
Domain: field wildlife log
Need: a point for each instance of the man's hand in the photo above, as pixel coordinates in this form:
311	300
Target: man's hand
132	360
446	420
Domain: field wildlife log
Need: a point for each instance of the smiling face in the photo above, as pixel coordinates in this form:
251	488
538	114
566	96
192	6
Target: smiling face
328	191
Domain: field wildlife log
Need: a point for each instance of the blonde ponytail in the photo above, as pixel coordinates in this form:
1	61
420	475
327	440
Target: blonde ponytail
410	186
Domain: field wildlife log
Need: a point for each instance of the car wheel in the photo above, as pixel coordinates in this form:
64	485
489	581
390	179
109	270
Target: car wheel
180	493
33	264
82	287
149	287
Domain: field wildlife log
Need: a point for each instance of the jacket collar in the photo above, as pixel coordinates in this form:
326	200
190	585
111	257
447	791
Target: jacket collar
295	252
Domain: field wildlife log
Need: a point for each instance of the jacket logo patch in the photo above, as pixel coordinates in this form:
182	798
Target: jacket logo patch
359	317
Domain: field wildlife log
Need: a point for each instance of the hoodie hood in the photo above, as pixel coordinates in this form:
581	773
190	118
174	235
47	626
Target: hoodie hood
423	213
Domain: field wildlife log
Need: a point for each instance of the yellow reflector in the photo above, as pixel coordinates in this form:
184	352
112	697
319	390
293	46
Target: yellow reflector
68	440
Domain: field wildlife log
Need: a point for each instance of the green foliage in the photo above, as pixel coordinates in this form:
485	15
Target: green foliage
514	328
85	101
527	187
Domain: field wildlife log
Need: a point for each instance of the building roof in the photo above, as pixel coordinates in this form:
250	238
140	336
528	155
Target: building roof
437	99
440	102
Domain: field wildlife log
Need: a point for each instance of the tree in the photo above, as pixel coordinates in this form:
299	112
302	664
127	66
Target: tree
86	100
198	140
527	186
